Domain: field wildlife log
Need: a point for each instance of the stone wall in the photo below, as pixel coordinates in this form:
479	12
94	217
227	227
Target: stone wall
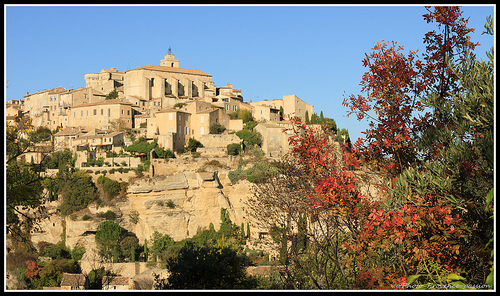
218	141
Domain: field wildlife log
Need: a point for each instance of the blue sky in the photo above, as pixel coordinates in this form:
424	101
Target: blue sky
314	52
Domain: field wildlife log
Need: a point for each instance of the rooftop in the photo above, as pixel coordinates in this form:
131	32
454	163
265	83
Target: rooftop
171	70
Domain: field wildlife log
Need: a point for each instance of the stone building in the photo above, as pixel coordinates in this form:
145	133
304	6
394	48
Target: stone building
274	138
106	81
153	81
102	115
172	127
74	281
292	107
116	283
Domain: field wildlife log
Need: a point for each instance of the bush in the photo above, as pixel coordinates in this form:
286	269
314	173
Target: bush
108	215
217	128
233	149
164	153
110	187
258	173
77	192
193	144
249	137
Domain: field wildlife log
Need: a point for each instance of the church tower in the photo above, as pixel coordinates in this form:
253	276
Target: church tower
170	60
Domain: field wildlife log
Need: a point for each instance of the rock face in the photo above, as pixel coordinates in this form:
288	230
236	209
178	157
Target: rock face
178	204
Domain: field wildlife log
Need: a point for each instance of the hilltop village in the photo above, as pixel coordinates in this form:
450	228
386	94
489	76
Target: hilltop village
177	195
157	102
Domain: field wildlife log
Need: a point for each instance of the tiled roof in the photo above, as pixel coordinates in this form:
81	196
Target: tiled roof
104	102
73	279
69	131
172	70
115	280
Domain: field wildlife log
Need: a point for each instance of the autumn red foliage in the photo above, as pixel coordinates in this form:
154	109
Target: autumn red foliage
386	246
395	82
32	270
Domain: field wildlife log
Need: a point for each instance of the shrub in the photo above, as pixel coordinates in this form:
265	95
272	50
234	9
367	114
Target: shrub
108	215
134	216
170	204
164	153
233	149
193	144
110	187
217	128
77	192
249	137
258	173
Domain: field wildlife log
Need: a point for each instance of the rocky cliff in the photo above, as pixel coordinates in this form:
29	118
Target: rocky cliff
183	197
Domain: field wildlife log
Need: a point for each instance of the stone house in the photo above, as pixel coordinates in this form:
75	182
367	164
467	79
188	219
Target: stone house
74	281
116	283
262	112
106	81
102	114
65	137
292	107
274	138
98	139
172	127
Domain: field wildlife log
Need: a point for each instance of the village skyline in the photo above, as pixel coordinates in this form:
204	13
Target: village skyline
314	52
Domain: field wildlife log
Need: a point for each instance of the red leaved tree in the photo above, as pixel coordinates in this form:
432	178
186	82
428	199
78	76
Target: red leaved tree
395	85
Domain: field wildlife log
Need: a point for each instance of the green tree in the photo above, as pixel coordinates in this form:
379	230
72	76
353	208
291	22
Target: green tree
95	277
107	238
217	128
128	245
207	268
163	153
160	244
112	95
462	171
77	192
41	134
141	146
250	138
193	144
234	149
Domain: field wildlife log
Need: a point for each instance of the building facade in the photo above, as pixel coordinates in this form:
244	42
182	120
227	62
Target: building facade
107	114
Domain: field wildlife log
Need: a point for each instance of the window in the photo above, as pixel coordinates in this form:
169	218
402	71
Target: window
180	117
82	113
202	120
180	130
187	130
202	130
95	112
128	112
169	116
102	111
109	112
